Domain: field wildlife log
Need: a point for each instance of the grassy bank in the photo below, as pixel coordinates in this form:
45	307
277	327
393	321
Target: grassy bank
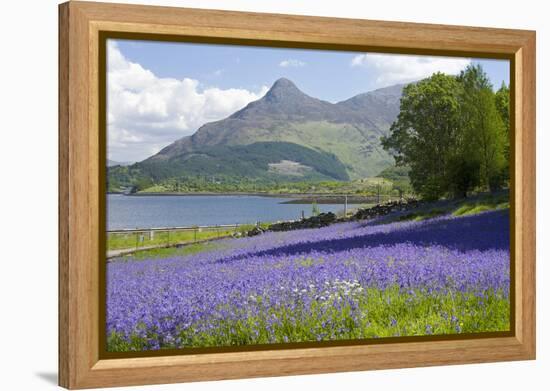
360	187
169	252
483	204
456	207
136	240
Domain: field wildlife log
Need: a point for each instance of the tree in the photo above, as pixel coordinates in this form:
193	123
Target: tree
143	183
502	101
426	132
483	138
492	141
474	78
451	133
463	175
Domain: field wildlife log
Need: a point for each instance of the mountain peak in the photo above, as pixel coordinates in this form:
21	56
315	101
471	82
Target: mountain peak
283	88
349	131
283	82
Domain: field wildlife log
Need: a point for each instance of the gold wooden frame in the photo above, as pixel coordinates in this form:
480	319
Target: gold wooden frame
81	161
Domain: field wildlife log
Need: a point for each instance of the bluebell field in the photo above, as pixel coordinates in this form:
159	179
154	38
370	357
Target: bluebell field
352	280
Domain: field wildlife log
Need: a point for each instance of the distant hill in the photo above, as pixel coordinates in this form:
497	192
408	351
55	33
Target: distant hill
285	135
112	163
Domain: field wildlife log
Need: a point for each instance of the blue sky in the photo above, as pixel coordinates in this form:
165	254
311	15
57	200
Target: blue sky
159	92
324	74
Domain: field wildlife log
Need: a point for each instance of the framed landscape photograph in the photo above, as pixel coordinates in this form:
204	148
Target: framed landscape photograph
248	195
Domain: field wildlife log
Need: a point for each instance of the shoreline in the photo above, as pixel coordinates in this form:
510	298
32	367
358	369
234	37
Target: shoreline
294	198
332	200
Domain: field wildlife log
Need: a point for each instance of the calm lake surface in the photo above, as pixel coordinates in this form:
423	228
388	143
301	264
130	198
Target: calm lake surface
180	210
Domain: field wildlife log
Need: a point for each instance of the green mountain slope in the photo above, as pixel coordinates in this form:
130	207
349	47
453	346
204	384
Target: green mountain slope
253	160
285	135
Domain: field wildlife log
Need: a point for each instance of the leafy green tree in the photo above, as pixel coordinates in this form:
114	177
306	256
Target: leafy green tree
463	174
492	142
483	139
426	132
502	101
451	132
143	183
474	78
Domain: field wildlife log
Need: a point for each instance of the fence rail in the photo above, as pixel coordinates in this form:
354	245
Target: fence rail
127	240
185	228
123	241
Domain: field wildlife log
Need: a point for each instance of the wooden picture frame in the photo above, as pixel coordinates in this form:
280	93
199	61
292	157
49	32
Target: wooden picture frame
81	161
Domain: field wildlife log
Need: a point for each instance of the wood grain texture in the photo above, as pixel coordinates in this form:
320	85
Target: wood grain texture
525	120
80	365
63	200
391	36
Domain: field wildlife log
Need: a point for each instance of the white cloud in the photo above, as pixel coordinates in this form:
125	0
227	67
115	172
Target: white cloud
292	63
146	112
397	68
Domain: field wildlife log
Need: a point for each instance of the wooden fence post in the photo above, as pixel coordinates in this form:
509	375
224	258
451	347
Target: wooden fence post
345	205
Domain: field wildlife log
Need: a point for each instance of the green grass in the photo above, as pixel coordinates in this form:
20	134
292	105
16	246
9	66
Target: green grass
469	206
482	205
379	313
168	252
419	216
133	240
156	188
328	136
